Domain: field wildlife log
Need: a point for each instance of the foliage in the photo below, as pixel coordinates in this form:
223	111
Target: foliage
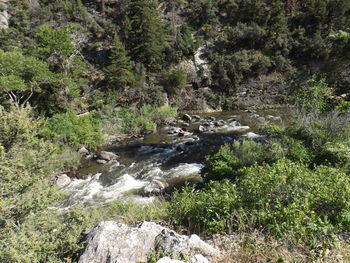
146	34
54	42
131	212
285	199
119	72
311	94
206	211
49	236
173	81
74	130
227	163
144	119
17	127
316	130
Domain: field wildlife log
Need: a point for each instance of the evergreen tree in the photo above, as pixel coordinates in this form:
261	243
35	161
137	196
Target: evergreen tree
119	72
146	34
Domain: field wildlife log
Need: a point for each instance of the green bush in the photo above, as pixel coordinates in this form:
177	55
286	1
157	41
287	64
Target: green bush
289	199
310	95
173	81
230	158
17	126
131	212
284	199
144	119
317	130
49	236
75	130
206	211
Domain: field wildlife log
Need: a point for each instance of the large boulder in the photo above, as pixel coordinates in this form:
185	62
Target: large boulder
112	242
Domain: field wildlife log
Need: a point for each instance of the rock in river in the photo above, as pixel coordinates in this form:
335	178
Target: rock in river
186	117
62	180
155	187
108	156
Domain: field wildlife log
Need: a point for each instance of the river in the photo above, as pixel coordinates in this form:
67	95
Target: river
165	159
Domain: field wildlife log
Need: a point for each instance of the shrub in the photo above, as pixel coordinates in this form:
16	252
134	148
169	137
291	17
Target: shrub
206	211
49	236
316	130
173	81
144	119
133	122
17	126
231	158
310	95
284	199
289	199
74	130
131	212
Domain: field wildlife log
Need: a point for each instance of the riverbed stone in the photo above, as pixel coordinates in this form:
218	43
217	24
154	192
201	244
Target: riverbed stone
108	156
83	151
186	117
183	133
113	242
199	259
62	180
201	129
155	187
196	117
100	161
219	123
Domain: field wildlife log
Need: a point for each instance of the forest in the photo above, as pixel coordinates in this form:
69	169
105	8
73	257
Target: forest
78	73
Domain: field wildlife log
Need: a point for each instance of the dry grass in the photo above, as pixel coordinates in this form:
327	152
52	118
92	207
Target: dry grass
257	248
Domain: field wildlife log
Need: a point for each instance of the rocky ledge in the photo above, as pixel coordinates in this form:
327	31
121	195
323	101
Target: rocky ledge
111	242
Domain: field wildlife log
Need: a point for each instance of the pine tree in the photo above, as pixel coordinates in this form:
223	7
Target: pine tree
119	72
146	34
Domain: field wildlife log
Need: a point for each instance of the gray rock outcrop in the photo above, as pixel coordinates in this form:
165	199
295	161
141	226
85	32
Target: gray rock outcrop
112	242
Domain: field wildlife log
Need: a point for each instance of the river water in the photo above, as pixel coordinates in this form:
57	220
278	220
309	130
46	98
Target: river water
165	157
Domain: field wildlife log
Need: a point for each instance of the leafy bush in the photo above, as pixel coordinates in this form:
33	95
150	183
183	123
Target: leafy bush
316	130
289	199
49	236
231	158
205	211
131	212
284	199
74	130
173	81
17	126
310	95
143	119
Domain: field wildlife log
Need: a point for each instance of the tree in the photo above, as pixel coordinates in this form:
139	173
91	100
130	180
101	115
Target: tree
27	79
20	77
55	46
119	72
146	34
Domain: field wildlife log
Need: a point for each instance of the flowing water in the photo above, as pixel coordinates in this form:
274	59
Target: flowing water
164	157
